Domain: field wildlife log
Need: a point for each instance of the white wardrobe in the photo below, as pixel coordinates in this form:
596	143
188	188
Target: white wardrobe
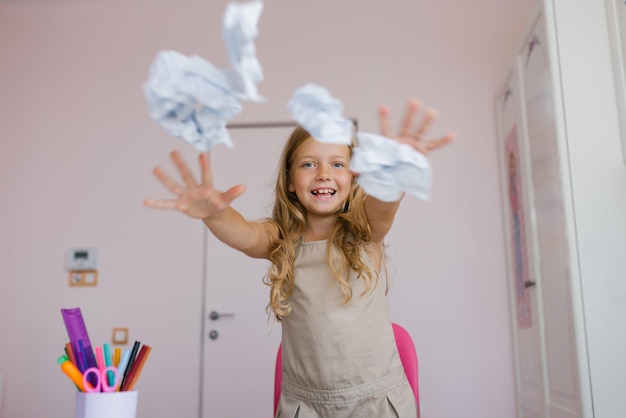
562	150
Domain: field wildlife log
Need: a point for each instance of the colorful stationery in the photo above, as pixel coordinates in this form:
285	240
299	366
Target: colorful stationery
135	370
102	371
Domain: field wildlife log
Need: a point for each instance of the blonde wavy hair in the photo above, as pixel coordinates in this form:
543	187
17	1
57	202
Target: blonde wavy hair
289	216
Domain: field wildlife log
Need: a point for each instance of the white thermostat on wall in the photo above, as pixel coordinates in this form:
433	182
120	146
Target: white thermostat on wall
81	259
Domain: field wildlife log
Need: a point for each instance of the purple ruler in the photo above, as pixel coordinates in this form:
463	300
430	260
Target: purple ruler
79	339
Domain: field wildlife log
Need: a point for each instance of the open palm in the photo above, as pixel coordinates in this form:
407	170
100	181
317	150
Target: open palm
415	137
197	200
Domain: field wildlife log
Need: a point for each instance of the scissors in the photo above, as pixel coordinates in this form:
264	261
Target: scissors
102	381
103	373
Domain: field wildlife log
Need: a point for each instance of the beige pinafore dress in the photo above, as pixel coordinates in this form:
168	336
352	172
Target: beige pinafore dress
339	360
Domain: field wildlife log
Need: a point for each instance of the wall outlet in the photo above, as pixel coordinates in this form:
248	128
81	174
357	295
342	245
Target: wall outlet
83	278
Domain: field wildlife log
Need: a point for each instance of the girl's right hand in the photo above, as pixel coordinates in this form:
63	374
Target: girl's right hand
198	201
415	137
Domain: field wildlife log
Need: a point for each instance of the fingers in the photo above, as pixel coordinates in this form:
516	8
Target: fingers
167	181
197	201
445	140
415	137
412	109
429	118
384	122
406	134
217	202
160	204
438	143
184	171
205	167
233	193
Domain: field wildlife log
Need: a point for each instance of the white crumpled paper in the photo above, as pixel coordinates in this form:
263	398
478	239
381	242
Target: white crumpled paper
193	99
239	30
387	168
320	114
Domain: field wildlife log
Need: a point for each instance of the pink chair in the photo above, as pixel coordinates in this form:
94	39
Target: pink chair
408	356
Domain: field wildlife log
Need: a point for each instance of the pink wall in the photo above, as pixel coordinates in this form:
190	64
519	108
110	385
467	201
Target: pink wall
77	148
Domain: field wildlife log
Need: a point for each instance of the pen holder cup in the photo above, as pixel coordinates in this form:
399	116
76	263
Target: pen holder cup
106	405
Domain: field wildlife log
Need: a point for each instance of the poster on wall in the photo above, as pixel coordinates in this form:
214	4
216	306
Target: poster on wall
517	233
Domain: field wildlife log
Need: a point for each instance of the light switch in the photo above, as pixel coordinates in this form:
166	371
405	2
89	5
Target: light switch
83	278
91	277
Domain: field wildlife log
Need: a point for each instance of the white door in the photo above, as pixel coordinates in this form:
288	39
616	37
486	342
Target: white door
550	229
240	343
523	292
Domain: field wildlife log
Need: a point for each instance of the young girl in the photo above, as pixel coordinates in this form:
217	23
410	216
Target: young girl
325	244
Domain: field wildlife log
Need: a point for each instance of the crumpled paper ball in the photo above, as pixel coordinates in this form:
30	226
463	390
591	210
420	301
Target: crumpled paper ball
194	100
320	114
191	99
239	29
387	168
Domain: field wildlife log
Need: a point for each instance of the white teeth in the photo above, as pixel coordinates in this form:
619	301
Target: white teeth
323	191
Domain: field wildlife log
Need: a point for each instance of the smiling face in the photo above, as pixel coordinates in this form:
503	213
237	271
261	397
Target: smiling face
320	177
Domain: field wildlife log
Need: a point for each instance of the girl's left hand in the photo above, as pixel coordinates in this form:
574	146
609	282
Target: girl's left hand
415	137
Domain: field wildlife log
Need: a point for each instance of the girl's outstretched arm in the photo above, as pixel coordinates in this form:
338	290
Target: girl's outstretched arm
380	214
202	201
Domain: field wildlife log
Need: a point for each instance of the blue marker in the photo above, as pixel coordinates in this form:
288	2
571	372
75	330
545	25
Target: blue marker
107	363
121	368
83	356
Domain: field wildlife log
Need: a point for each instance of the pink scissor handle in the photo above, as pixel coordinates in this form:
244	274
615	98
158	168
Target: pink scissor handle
102	384
105	380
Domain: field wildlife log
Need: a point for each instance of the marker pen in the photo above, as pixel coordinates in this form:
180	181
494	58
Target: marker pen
108	361
117	355
121	369
72	372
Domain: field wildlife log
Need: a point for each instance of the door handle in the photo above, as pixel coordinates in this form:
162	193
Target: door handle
214	315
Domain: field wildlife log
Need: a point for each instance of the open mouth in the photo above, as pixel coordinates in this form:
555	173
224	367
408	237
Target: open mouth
323	192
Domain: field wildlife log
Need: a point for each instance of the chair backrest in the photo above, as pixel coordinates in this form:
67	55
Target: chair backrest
278	376
408	356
